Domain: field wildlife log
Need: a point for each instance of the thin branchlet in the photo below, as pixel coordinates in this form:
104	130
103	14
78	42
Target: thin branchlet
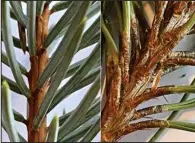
153	37
114	92
147	111
180	61
150	57
129	128
182	54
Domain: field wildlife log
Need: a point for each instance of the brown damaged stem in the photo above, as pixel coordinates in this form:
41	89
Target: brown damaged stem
156	80
136	91
114	93
182	54
153	38
143	125
171	64
125	57
169	40
135	101
180	61
177	60
177	14
147	111
38	63
136	42
113	90
163	108
113	136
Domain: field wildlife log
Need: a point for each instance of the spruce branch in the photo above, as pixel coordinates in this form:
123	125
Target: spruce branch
150	124
134	101
171	117
164	108
112	49
182	54
179	61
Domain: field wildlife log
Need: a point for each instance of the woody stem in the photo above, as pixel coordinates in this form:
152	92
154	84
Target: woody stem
38	63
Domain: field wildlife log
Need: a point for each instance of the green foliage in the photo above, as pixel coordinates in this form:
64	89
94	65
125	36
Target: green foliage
71	27
8	116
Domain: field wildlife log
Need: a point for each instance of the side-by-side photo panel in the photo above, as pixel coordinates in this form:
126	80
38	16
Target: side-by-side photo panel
148	59
97	71
50	81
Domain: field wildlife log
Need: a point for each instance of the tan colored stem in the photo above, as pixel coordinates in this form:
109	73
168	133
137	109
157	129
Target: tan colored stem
153	37
125	57
147	111
133	102
155	50
113	136
32	107
157	78
114	92
180	61
148	12
38	63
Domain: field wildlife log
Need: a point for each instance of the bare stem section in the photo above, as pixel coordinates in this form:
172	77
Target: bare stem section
114	92
38	63
125	58
134	127
145	54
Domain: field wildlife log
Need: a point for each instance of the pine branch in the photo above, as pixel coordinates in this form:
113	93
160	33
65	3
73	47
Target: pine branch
147	125
179	61
164	108
182	54
133	102
171	117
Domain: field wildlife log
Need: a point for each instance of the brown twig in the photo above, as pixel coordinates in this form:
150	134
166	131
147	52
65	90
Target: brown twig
182	54
38	63
114	93
174	59
125	57
136	42
147	111
179	61
157	78
113	136
160	7
147	95
135	101
155	57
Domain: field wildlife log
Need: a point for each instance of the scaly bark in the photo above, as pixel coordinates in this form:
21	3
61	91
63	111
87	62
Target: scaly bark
134	127
152	59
